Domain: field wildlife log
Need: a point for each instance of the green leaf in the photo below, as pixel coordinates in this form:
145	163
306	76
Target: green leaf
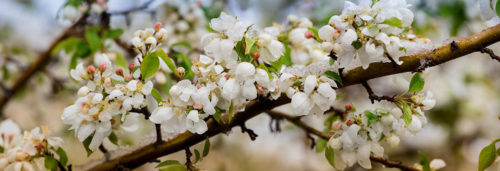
121	61
176	167
2	149
320	144
380	111
357	44
241	52
314	31
487	156
50	162
82	50
73	62
230	112
371	117
406	113
331	61
206	148
63	158
417	83
183	43
93	39
167	163
334	76
424	162
112	34
196	155
113	138
156	94
330	156
67	44
86	144
217	116
497	8
149	65
249	44
167	60
393	21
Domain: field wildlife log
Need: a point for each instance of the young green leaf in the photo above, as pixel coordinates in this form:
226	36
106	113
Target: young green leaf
67	44
86	144
93	39
2	149
320	144
487	156
206	148
330	156
249	44
197	156
176	167
380	111
393	21
73	62
406	113
334	76
230	112
167	60
314	31
371	117
424	162
357	44
167	163
113	138
50	162
417	83
183	43
156	94
186	63
63	158
120	60
217	116
112	34
149	65
497	8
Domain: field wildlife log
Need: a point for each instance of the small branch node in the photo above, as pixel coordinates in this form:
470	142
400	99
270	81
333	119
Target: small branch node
250	132
453	46
491	53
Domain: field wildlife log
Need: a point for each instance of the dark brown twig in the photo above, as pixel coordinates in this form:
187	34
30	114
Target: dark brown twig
491	53
250	132
373	96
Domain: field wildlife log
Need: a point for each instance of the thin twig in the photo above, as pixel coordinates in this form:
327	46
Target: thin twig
491	53
250	132
373	96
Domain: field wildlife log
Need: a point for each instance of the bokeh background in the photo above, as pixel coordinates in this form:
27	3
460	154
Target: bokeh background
467	90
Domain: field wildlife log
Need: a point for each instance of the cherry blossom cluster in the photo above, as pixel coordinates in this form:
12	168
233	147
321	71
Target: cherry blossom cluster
371	31
361	135
146	41
106	101
75	8
27	152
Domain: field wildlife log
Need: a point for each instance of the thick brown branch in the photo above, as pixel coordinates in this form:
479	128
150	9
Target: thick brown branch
355	76
296	121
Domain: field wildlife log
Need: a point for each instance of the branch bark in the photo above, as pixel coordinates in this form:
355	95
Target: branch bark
438	56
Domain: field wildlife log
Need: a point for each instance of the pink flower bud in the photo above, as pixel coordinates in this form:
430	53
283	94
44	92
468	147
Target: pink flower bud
157	26
128	77
260	90
337	125
119	71
198	86
308	34
350	122
336	34
107	82
349	107
181	71
91	69
131	66
197	106
256	55
39	147
226	76
102	67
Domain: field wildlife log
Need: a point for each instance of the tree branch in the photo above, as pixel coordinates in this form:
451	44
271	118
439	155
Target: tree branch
42	61
440	55
373	96
491	53
296	121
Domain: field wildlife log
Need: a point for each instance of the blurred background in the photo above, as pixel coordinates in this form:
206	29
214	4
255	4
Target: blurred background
467	90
